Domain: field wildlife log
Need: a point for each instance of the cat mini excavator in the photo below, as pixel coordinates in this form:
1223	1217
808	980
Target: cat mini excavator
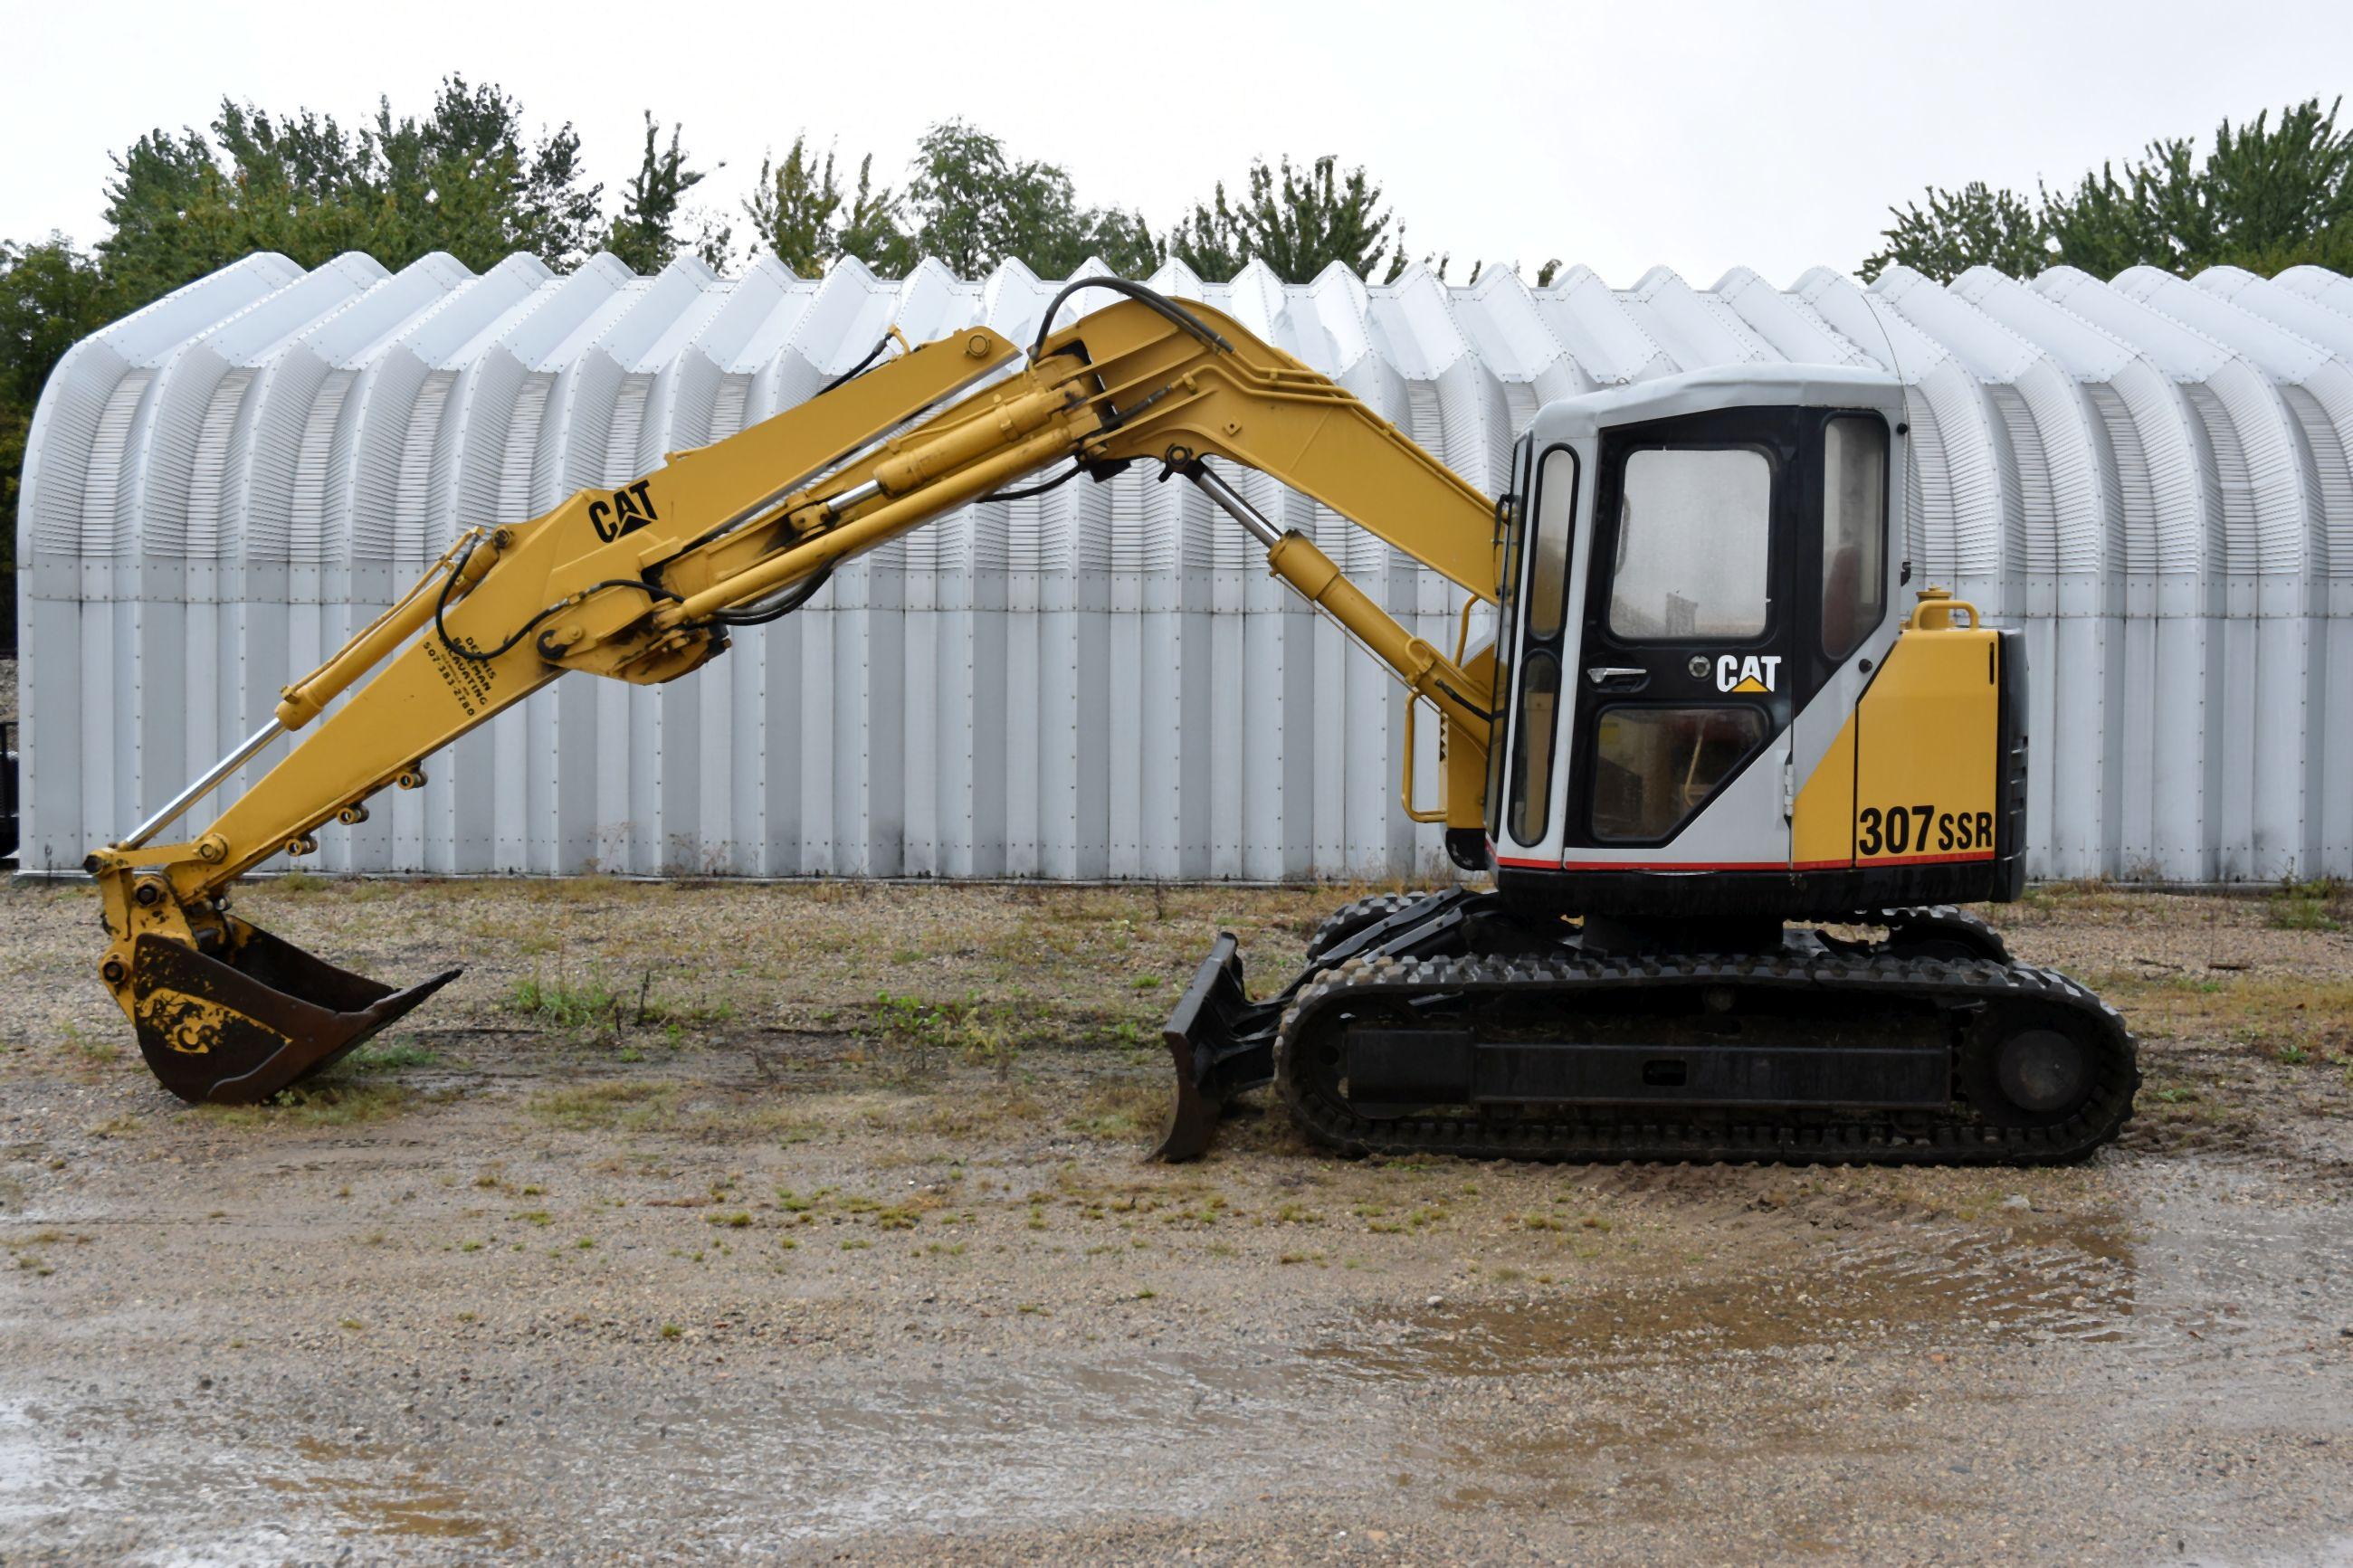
1725	784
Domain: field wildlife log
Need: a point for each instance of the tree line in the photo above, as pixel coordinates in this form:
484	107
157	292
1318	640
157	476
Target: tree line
471	177
2263	196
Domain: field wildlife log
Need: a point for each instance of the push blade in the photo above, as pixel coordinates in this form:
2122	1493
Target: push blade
1219	1044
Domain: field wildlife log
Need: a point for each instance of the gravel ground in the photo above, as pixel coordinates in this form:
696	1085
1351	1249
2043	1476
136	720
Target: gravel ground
810	1222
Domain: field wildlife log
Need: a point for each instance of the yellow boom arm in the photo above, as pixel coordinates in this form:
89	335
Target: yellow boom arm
645	582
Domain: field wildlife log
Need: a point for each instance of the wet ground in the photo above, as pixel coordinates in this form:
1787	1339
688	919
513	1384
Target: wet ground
642	1249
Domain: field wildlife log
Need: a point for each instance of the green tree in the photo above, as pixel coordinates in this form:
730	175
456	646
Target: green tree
2269	196
466	179
650	230
1976	225
800	211
1297	221
2266	196
973	205
51	297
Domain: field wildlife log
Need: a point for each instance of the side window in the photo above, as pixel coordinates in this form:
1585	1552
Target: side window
1854	531
1531	747
1548	569
1536	731
1693	529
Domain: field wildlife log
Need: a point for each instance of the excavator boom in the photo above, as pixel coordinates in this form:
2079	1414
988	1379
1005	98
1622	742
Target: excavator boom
647	581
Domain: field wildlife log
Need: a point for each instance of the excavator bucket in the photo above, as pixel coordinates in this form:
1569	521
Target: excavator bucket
234	1031
1221	1043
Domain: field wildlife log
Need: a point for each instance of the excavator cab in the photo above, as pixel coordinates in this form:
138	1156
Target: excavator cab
1720	706
1701	709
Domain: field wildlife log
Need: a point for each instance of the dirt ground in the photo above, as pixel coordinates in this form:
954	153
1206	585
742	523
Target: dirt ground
811	1223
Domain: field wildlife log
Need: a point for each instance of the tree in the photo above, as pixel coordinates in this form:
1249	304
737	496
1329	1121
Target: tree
51	297
2265	197
972	205
648	233
1976	225
800	211
1297	222
463	180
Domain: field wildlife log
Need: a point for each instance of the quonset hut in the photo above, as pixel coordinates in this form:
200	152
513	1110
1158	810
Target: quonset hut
2149	475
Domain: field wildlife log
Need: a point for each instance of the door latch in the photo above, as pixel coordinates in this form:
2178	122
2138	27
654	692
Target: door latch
1617	677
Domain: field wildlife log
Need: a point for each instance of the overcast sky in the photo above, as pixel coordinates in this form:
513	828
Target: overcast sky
1622	135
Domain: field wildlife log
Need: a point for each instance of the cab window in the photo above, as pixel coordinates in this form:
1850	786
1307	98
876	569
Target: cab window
1854	531
1694	526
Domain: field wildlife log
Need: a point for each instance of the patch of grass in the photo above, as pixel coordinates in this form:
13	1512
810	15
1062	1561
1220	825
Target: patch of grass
605	1106
394	1058
300	882
561	1004
2308	906
329	1103
1123	1108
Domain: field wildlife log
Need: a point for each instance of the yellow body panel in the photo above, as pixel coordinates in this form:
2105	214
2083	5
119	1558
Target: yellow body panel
1912	777
1821	827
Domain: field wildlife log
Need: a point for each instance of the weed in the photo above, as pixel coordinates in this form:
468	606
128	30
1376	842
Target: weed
390	1058
2308	906
671	1332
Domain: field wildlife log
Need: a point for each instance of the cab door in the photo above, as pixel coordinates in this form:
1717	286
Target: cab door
1682	678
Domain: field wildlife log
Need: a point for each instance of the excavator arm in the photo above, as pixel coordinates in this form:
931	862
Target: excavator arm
647	581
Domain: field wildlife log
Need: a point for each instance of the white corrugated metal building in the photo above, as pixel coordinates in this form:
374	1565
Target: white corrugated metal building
2151	475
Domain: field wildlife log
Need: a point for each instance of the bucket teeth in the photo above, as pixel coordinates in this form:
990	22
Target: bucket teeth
236	1030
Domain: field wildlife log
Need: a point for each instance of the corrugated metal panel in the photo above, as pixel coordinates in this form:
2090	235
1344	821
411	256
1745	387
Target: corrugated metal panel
2150	476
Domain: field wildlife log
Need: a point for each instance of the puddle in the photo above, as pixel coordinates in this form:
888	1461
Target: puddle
970	1448
385	1492
1638	1402
1848	1298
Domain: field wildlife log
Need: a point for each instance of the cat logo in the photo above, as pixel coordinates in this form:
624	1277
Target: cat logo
629	510
1752	673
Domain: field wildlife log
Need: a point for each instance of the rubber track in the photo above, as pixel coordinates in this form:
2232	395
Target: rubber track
1351	918
1853	1139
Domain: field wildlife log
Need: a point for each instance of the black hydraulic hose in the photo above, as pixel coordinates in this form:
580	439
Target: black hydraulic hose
1158	301
860	368
1057	483
475	656
783	607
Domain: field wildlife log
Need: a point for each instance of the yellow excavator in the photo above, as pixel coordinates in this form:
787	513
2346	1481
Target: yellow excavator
1725	784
